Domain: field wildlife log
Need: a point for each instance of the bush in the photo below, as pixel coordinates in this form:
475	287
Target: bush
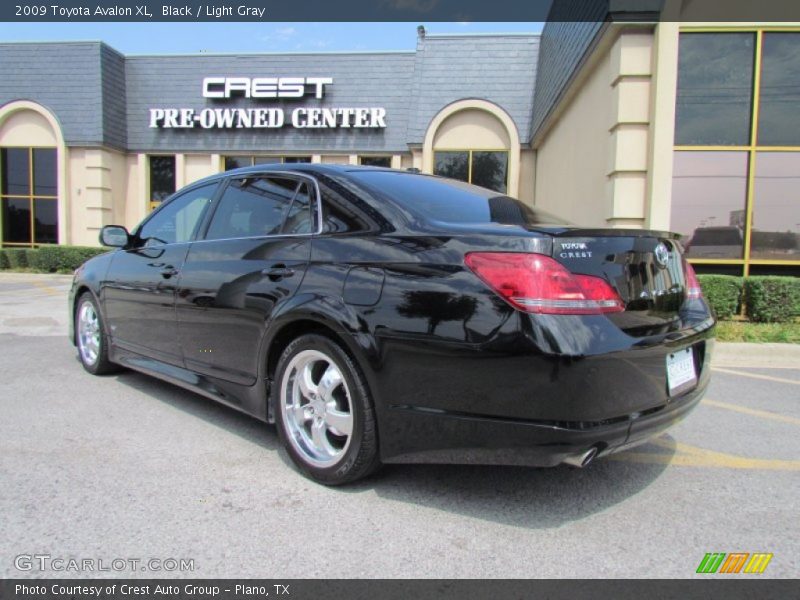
51	259
772	299
4	264
723	293
17	257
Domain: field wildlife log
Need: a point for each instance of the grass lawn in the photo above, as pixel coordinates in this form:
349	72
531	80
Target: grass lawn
742	331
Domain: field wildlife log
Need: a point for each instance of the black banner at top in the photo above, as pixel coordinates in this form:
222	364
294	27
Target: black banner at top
398	10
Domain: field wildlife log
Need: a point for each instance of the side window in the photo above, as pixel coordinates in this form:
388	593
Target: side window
299	219
177	220
254	207
342	210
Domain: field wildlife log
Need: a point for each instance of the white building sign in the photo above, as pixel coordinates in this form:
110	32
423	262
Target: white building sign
222	88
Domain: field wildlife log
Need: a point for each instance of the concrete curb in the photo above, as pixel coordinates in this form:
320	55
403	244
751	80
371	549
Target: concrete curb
756	356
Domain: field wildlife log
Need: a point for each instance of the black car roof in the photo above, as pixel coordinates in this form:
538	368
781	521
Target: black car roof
308	168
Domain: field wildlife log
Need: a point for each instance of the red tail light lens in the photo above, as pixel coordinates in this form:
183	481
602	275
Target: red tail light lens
536	283
693	289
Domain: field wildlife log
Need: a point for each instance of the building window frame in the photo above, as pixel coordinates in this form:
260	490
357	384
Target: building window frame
752	149
470	152
30	197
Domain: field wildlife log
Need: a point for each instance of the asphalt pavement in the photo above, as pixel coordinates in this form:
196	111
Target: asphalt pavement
126	468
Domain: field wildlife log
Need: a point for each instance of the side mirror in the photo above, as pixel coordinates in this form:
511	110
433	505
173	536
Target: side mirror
115	236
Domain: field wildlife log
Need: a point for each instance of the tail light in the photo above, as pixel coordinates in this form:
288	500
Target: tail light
693	289
536	283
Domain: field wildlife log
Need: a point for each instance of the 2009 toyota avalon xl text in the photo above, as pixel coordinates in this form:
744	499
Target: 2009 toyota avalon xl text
384	316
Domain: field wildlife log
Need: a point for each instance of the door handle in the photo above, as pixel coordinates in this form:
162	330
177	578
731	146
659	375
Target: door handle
278	272
168	271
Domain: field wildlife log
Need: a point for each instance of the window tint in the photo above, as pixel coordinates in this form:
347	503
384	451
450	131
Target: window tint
15	165
452	201
708	202
779	120
376	161
776	207
254	207
162	178
299	218
17	221
177	220
454	165
715	89
490	170
45	175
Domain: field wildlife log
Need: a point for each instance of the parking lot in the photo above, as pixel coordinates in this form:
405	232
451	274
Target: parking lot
129	467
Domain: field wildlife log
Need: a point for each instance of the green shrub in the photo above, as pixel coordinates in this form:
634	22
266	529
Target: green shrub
51	259
772	299
4	264
17	257
723	293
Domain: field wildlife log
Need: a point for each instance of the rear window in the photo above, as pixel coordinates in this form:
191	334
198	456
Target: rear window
452	201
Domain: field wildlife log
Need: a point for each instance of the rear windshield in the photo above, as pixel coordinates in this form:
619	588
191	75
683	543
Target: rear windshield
452	201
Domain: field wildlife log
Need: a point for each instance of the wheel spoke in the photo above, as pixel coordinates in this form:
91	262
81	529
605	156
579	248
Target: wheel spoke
300	413
306	382
331	379
320	438
316	408
340	421
89	333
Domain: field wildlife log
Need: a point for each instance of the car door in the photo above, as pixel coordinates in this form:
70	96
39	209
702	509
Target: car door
252	258
139	291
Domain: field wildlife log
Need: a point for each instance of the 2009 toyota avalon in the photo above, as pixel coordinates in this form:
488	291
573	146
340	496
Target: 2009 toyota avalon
380	316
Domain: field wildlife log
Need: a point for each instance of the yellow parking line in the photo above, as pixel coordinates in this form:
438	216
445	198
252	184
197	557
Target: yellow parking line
686	455
757	376
752	411
45	288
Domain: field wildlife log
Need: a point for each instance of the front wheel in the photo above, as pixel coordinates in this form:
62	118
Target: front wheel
90	338
324	411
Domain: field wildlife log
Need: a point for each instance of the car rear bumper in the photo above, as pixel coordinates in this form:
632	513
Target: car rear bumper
545	424
439	437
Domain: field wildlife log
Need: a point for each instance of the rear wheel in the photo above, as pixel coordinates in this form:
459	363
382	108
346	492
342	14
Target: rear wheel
90	337
324	411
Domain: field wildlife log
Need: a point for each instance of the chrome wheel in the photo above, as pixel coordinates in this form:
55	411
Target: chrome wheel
88	333
316	408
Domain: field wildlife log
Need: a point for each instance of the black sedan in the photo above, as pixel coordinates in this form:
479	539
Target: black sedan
382	316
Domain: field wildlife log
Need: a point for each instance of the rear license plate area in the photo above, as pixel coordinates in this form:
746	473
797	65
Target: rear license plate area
681	371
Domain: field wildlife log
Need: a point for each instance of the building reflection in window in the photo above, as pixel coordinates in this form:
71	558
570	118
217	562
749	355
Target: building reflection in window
709	192
776	207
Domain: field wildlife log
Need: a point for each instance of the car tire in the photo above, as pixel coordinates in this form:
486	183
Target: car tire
90	337
324	411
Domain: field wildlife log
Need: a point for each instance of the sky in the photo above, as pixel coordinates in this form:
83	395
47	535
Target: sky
177	38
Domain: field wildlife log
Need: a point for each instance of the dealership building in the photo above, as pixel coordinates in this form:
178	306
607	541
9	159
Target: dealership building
666	125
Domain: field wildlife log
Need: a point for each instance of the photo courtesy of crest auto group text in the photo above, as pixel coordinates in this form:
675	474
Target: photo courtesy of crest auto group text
403	293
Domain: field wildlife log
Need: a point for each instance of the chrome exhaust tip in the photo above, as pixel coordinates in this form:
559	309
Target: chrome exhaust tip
583	459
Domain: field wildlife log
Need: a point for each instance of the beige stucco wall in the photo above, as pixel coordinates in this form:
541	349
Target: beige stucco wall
471	129
527	176
594	163
571	162
97	193
197	166
338	160
27	128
